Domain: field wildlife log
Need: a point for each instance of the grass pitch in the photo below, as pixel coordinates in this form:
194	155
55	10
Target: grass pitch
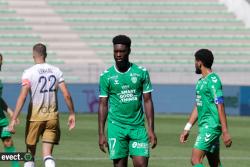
79	147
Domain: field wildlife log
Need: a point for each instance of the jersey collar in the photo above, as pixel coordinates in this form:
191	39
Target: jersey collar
207	76
123	72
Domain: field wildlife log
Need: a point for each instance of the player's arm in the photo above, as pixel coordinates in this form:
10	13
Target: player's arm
191	121
149	110
103	111
69	103
193	117
19	105
102	117
217	93
225	134
6	108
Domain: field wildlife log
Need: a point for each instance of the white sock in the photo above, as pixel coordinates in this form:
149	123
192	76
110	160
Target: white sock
29	164
49	161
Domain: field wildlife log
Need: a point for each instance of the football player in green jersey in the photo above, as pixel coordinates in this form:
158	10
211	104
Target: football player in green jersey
5	134
210	113
122	88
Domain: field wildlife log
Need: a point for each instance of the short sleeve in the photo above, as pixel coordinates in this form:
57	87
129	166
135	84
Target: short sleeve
60	76
147	86
103	86
216	90
26	78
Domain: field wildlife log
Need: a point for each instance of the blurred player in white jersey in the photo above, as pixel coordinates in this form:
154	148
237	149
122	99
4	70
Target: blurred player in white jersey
42	81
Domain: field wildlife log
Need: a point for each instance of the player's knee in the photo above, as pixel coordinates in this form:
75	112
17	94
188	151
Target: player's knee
141	163
7	142
49	161
195	160
120	162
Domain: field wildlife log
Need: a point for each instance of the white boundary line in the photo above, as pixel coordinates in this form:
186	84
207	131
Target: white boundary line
151	158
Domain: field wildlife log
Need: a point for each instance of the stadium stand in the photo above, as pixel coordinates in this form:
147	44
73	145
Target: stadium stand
165	34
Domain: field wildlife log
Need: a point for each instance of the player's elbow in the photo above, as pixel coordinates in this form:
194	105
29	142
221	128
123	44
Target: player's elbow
22	98
148	101
67	96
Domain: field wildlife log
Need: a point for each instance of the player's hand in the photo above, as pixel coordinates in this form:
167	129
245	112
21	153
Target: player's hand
11	126
227	139
184	136
71	121
103	143
152	139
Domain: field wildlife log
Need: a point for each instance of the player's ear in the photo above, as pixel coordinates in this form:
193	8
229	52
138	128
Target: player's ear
199	63
129	50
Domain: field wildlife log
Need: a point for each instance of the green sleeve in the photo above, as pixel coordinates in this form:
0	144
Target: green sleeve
147	86
103	86
215	87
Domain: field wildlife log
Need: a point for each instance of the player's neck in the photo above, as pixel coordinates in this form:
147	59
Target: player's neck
123	68
39	61
205	72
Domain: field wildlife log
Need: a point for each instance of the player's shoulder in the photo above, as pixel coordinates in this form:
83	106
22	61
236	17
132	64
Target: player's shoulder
107	72
139	68
52	67
37	68
29	72
214	78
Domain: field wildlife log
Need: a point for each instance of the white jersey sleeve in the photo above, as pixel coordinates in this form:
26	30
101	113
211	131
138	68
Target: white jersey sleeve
26	78
60	76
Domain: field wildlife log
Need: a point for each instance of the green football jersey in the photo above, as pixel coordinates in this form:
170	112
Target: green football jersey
3	119
124	91
208	95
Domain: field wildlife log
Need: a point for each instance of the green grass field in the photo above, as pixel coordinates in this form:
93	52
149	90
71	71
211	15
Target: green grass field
80	147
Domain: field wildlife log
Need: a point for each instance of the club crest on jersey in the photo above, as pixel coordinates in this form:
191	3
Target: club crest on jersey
134	79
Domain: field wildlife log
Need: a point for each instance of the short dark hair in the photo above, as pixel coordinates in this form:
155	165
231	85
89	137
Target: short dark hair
122	39
1	55
205	56
40	49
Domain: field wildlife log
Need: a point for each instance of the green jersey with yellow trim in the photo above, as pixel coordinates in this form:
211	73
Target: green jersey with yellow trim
208	94
3	120
124	91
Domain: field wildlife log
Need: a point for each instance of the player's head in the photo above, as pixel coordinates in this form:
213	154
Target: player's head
203	58
121	45
39	51
1	61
